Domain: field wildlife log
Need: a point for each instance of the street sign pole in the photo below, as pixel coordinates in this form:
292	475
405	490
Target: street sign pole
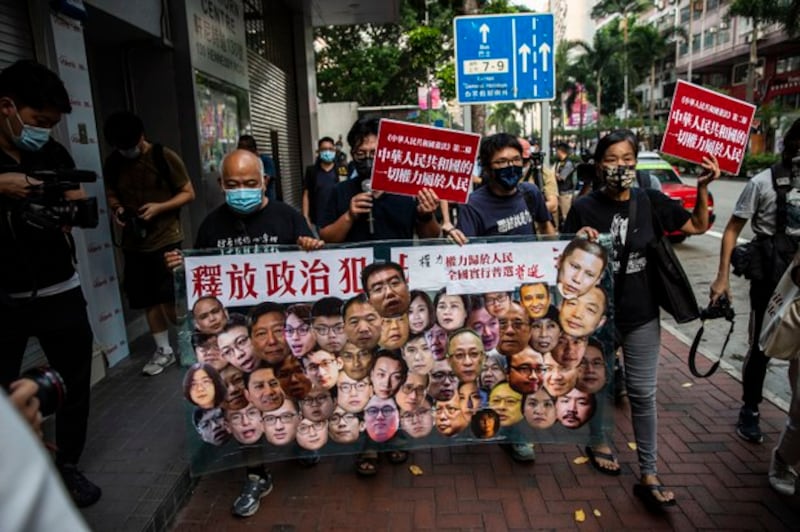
467	110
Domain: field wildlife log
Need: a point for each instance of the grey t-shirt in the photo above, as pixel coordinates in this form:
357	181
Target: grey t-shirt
758	203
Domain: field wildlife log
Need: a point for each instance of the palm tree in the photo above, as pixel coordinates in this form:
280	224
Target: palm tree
598	58
503	116
649	48
624	8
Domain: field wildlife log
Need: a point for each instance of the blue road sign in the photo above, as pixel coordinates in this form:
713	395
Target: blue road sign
505	58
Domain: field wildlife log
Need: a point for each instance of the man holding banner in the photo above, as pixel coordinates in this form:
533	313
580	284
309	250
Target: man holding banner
356	213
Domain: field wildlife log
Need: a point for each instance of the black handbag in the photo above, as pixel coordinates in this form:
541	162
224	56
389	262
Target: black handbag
668	281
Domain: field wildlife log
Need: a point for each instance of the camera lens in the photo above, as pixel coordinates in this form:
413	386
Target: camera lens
52	390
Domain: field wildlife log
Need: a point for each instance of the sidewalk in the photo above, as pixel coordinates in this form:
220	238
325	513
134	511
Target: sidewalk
136	453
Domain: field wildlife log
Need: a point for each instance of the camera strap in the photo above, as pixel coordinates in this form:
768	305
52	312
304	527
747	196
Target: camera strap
696	344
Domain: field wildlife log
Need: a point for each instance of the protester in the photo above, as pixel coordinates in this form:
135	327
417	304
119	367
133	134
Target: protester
248	217
358	214
146	186
758	202
320	180
564	170
505	206
271	177
636	313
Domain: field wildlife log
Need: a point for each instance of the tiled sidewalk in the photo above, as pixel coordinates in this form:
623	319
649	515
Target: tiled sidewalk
719	480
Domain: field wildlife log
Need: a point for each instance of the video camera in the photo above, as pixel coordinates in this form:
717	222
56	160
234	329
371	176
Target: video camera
537	159
46	208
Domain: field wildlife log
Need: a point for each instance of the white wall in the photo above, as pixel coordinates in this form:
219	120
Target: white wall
336	118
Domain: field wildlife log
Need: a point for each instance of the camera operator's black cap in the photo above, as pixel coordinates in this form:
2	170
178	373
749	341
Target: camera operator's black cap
123	129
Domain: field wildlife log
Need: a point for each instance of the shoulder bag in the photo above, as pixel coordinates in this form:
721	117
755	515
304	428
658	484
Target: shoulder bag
781	328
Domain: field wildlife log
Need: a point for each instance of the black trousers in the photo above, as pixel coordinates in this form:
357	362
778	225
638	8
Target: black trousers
754	369
62	327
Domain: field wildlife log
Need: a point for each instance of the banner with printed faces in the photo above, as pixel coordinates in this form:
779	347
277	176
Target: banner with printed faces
394	346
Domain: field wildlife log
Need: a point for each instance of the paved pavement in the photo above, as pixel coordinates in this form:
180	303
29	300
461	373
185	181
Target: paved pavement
719	480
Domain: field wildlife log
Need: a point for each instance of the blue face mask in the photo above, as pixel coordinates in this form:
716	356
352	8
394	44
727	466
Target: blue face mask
31	138
327	156
508	177
244	200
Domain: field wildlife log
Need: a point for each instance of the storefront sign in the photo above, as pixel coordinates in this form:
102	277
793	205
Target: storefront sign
217	39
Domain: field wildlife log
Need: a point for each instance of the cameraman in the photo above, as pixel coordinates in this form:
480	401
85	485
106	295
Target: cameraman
40	293
146	185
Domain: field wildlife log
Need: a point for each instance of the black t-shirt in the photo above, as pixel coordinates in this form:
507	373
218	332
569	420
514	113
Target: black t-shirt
393	216
635	305
320	185
32	258
275	224
487	214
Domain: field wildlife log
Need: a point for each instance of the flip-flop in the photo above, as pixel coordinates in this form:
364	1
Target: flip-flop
594	455
366	466
397	457
647	494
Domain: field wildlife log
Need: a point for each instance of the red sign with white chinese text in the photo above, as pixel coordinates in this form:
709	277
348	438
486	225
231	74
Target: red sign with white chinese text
411	157
702	121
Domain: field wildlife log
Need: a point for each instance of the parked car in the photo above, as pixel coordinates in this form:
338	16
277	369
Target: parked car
649	165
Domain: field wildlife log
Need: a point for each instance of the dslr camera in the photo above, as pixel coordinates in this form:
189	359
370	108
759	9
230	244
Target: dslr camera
52	390
46	208
721	309
135	227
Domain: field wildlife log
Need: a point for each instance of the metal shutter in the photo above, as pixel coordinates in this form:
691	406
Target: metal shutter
16	40
273	92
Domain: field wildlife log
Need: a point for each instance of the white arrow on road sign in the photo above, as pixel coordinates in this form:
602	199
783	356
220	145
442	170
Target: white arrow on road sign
524	51
484	29
544	49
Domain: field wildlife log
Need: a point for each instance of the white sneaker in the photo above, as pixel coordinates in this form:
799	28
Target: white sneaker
782	476
161	359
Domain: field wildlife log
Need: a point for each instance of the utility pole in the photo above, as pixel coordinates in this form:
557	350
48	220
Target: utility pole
477	112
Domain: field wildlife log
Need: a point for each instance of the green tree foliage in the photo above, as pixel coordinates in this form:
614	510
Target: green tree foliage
504	118
384	64
600	68
622	7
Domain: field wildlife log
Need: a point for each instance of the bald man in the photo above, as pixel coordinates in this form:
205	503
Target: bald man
248	217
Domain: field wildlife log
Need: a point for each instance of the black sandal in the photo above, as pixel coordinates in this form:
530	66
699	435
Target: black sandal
594	455
366	465
397	457
647	494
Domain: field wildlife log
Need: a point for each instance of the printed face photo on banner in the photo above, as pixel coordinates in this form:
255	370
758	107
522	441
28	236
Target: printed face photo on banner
394	364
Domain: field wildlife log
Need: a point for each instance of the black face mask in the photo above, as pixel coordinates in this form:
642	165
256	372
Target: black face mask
364	167
508	177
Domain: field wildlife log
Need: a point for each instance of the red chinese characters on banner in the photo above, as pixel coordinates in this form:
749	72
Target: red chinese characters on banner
241	280
702	121
411	157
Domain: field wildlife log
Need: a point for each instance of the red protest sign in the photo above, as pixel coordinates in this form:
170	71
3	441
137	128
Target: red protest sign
703	121
411	157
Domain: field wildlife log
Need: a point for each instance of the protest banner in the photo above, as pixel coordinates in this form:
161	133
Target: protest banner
417	346
702	121
411	157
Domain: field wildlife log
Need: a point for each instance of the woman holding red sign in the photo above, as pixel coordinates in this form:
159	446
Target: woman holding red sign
608	210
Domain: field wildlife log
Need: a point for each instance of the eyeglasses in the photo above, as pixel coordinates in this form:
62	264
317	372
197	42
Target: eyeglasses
528	370
324	365
504	401
500	163
395	283
409	388
497	300
240	343
239	417
324	330
305	428
597	364
348	387
515	324
460	356
318	400
348	418
361	355
386	410
451	410
418	414
442	375
202	383
302	330
360	155
285	418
